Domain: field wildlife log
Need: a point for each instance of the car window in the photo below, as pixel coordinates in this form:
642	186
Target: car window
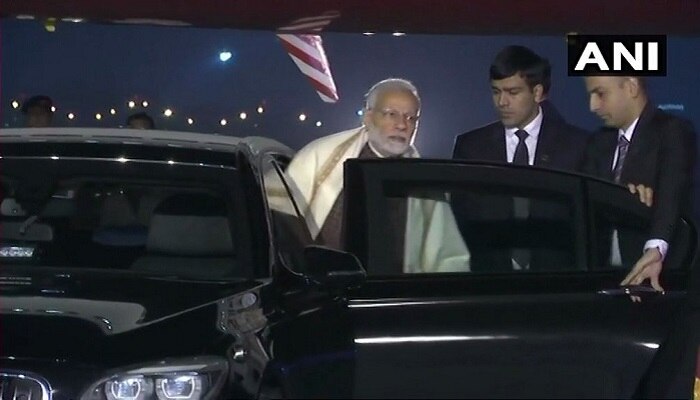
476	228
426	216
620	230
143	217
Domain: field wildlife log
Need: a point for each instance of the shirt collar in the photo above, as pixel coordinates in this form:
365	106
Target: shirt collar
532	129
627	133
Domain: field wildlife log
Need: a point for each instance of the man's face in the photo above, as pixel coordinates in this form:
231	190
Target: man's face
610	98
392	122
515	101
38	117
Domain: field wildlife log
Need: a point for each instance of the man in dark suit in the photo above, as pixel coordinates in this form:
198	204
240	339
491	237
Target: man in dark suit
528	133
520	81
651	152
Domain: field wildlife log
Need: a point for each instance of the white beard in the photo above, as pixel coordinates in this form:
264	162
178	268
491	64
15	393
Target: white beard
386	146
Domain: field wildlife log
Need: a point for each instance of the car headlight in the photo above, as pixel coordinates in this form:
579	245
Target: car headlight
191	379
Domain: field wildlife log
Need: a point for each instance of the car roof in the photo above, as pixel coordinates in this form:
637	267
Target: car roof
160	138
414	16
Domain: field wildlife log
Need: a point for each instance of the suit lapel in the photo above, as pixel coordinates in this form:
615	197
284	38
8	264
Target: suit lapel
640	137
546	143
610	144
497	148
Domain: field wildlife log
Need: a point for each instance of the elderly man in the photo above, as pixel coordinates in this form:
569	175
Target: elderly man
427	237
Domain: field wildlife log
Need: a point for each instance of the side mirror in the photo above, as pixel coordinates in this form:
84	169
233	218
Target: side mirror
333	268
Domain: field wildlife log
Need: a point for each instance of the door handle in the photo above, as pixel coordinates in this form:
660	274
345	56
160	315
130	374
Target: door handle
632	290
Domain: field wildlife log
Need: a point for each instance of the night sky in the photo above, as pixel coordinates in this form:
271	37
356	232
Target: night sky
89	68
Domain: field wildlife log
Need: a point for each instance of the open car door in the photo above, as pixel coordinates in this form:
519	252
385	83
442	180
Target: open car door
556	325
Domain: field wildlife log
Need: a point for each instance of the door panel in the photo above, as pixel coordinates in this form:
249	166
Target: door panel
547	332
504	344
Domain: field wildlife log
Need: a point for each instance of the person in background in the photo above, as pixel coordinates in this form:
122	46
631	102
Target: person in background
38	112
140	120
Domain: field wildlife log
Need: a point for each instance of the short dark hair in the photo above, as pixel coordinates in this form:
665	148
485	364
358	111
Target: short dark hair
40	101
519	59
641	80
141	116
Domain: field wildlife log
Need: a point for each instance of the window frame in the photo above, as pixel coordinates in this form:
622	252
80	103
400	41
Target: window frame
270	163
365	180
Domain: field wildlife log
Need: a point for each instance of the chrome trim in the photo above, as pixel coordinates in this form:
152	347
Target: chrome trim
46	392
121	160
257	145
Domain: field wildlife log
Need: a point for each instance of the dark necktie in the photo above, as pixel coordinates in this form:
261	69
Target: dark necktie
521	156
622	146
521	206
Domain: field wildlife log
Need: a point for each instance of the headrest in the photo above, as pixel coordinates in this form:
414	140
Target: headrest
117	211
190	225
11	208
55	207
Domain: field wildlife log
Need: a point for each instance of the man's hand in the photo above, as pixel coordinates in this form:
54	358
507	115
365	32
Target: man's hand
646	194
647	267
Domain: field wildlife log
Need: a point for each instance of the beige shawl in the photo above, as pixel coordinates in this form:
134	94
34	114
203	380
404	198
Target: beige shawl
433	241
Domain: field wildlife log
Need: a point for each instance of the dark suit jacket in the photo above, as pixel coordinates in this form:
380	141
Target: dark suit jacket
662	156
559	146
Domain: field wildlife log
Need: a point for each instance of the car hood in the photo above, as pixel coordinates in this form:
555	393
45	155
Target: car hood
115	302
61	312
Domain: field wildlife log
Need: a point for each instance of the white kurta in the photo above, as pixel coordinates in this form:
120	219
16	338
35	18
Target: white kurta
433	242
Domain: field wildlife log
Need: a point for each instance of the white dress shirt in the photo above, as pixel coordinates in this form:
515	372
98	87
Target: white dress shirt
533	131
661	244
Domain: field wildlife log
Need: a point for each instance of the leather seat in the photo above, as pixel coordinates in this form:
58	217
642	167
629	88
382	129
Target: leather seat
189	236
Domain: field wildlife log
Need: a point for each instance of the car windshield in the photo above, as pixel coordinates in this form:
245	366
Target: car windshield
162	218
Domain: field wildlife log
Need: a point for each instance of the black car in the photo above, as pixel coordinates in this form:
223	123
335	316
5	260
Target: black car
169	265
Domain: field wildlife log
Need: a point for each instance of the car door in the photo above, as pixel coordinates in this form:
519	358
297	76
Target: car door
306	344
559	326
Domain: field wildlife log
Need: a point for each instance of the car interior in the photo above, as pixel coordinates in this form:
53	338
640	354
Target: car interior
150	227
